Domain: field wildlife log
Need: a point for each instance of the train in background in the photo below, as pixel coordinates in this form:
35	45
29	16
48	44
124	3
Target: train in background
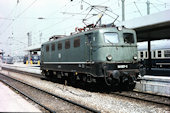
35	58
7	59
160	55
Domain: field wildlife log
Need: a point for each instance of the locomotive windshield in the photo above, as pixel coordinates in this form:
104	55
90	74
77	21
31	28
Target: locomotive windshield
111	38
128	38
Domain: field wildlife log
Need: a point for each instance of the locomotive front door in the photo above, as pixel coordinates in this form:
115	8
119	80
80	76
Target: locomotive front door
88	47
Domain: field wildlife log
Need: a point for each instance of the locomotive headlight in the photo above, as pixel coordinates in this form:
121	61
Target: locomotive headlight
135	57
109	57
119	28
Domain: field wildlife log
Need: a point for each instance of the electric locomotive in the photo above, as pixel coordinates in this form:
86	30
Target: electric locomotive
100	55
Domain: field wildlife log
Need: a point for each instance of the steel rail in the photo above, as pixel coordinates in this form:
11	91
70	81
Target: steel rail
164	96
48	109
137	98
64	99
143	99
22	72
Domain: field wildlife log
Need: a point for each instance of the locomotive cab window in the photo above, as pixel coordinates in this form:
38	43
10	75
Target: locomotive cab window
111	38
146	54
154	54
67	44
141	54
47	48
128	38
159	54
167	53
53	47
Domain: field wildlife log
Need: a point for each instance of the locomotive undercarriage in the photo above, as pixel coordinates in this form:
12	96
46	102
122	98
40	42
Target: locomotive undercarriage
99	74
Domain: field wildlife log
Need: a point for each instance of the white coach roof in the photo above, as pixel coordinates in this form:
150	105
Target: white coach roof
148	20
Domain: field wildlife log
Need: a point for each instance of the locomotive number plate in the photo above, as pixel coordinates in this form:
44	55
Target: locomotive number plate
122	66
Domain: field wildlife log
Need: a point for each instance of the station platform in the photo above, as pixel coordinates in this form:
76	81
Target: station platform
12	102
33	68
149	83
154	84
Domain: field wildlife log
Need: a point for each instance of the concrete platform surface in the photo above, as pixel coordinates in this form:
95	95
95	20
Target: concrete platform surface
154	84
12	102
157	78
34	68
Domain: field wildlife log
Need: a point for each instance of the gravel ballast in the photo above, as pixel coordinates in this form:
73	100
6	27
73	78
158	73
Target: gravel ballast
102	102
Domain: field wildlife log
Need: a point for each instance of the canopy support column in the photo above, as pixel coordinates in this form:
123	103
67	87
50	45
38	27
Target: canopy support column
149	55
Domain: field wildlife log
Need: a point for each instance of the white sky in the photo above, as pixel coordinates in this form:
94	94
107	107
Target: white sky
16	20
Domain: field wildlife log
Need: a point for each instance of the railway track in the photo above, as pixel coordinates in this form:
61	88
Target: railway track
52	103
146	97
22	72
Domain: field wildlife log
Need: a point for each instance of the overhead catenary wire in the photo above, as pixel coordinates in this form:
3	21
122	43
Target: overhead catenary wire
59	22
155	7
50	26
47	28
55	12
12	20
12	11
19	15
137	9
25	9
58	11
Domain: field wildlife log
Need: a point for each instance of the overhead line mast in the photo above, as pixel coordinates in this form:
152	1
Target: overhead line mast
148	7
123	10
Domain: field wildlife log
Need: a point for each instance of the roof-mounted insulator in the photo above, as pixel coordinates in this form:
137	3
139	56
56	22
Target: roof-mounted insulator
56	37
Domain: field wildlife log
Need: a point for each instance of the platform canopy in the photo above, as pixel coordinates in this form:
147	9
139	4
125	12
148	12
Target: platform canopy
151	27
34	48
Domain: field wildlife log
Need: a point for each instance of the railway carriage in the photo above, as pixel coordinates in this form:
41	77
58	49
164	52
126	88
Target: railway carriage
160	57
100	55
7	59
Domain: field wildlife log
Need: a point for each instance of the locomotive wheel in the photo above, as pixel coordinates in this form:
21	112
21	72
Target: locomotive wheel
111	81
108	81
132	86
47	74
71	79
129	85
82	81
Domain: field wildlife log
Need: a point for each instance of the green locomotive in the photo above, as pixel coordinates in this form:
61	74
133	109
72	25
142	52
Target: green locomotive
100	55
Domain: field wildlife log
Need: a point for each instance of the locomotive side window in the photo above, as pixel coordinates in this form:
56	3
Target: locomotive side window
141	54
111	38
167	53
77	42
146	54
159	54
154	54
47	48
59	46
67	44
53	47
128	38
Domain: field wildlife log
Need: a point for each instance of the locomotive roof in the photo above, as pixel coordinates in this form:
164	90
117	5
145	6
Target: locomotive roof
81	33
